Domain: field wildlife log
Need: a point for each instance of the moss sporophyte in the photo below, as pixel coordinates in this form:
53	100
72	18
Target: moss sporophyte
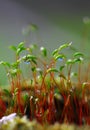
53	92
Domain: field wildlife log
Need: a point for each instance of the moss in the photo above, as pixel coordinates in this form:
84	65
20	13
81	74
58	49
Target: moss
24	124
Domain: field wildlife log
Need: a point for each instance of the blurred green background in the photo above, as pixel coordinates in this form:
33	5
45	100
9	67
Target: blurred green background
59	21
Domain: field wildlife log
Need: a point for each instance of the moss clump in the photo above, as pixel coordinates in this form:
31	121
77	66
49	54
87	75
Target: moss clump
24	124
50	94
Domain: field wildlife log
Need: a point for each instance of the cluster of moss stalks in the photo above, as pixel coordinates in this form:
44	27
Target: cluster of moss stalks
50	92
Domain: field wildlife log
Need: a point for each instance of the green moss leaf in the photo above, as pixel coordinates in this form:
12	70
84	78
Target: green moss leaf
33	27
13	48
61	67
5	63
7	92
69	61
80	59
55	52
78	54
64	46
44	51
60	56
30	58
52	70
